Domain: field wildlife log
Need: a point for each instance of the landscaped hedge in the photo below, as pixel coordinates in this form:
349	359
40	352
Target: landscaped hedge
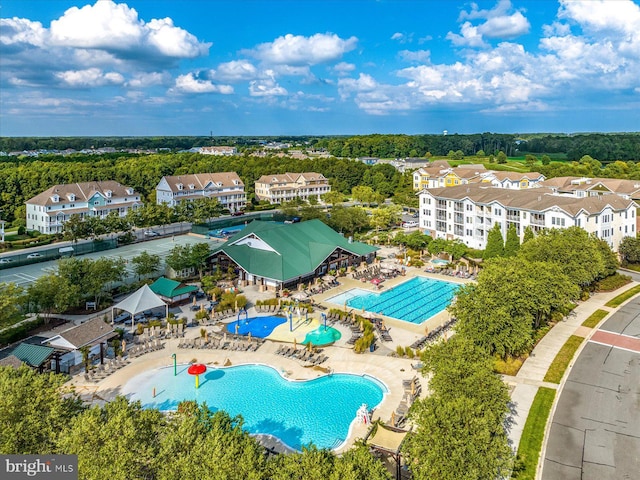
19	332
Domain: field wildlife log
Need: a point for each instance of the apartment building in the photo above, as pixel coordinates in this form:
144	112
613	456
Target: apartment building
441	174
582	187
468	212
48	211
285	187
226	187
223	151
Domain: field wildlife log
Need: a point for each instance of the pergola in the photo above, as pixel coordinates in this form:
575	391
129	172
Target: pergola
388	441
139	301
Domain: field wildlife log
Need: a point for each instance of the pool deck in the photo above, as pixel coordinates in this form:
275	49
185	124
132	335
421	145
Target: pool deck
389	369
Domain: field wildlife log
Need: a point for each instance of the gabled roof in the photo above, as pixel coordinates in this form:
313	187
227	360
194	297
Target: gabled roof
534	199
290	177
170	288
286	251
201	180
11	361
516	176
88	333
82	191
33	355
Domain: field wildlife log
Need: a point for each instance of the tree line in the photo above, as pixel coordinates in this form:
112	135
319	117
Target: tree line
23	178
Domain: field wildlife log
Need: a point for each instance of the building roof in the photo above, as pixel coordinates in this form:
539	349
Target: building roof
615	185
286	251
11	361
82	191
441	164
168	288
33	355
537	199
516	176
201	181
90	332
290	177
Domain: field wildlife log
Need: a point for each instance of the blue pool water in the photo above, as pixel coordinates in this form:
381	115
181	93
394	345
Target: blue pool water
258	326
226	232
321	336
413	301
317	411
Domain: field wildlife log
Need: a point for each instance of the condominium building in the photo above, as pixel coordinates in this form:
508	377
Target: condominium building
48	211
589	187
468	212
226	187
440	174
223	151
285	187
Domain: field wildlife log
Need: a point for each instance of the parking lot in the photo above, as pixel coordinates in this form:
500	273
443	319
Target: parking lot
28	274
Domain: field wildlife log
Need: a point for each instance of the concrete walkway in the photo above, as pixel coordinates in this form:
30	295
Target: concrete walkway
530	377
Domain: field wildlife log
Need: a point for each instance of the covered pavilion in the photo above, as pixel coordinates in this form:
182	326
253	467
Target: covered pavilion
142	299
388	441
275	255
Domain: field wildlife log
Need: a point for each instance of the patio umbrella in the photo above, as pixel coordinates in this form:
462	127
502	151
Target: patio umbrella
295	343
301	295
393	419
376	281
197	369
249	337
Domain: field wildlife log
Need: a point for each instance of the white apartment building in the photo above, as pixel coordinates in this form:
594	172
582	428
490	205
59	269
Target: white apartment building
48	211
223	151
285	187
590	187
468	212
440	174
226	187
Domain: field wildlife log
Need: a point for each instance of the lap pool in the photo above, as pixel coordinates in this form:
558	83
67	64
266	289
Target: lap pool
299	413
414	301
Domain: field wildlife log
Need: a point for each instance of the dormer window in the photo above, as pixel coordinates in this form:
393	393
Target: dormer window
236	182
180	186
108	193
55	198
129	191
218	184
191	186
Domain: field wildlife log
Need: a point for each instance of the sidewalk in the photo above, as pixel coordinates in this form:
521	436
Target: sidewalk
531	375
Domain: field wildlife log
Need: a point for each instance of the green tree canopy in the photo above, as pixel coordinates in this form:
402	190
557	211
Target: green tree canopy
629	250
512	243
495	243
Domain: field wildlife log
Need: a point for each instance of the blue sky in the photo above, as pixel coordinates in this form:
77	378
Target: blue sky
307	67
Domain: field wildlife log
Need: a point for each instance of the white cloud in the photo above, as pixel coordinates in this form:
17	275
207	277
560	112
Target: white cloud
499	23
402	37
91	77
343	68
267	87
190	84
116	28
235	71
144	80
300	50
397	36
21	31
470	37
421	56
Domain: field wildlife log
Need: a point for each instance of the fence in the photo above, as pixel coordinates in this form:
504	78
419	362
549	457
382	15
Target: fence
228	222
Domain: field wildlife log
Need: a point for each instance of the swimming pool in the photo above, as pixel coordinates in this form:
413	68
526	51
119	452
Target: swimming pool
260	327
226	232
321	336
298	413
413	301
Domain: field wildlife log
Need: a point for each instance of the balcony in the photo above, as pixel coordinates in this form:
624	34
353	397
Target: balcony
513	218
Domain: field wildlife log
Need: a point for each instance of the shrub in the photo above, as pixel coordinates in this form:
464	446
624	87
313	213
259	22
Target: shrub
19	332
400	351
409	352
612	282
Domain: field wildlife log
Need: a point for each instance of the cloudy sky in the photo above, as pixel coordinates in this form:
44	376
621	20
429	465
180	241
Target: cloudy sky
295	67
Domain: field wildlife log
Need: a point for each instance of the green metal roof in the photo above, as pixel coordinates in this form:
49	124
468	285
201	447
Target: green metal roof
170	288
298	248
34	355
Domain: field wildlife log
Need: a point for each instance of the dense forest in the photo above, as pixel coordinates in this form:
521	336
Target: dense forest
24	177
604	147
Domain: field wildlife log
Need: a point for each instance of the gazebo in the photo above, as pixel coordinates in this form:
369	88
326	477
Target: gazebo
139	301
388	441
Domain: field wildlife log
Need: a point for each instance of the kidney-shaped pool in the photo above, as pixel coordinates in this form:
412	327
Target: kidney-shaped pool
318	411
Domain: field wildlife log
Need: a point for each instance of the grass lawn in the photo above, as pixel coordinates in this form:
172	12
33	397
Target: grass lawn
594	318
623	297
561	362
533	434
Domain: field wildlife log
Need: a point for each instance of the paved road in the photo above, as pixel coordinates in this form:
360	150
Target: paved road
28	274
595	432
